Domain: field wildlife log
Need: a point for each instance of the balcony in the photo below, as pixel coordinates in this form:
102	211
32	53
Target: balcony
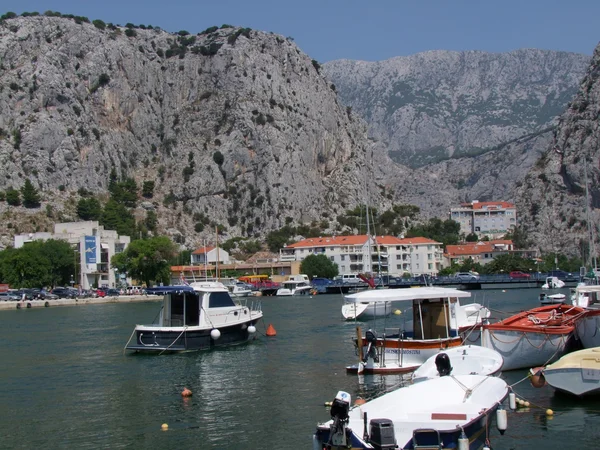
287	258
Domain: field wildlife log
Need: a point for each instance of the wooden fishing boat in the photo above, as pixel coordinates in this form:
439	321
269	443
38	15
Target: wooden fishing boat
532	338
576	373
439	322
587	327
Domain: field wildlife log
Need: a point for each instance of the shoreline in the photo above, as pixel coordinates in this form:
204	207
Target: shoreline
28	304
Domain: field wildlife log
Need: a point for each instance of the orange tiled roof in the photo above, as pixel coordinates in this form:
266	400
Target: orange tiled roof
489	205
475	248
203	250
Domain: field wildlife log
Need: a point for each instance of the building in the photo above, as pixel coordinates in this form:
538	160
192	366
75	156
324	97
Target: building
93	248
209	255
484	252
371	254
491	219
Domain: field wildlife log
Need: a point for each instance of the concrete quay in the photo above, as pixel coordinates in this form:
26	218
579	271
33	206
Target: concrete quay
28	304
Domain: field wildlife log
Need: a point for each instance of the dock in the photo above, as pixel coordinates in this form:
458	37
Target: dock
28	304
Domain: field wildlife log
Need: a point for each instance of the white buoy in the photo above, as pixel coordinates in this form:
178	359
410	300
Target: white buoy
463	441
251	329
501	420
512	401
215	334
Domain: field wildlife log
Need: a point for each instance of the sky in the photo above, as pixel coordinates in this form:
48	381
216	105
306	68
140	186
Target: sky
370	30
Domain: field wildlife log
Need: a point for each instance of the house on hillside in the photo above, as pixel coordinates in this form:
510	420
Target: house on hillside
371	254
484	252
491	219
209	255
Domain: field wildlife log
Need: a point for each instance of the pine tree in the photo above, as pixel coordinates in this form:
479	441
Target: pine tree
31	197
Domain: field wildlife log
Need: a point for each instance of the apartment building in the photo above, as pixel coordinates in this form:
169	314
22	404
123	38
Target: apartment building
371	254
491	219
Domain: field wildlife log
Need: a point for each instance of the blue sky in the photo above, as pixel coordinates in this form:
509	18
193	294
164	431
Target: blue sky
369	30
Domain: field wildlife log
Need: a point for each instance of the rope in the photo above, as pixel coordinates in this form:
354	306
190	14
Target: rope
125	348
468	391
184	329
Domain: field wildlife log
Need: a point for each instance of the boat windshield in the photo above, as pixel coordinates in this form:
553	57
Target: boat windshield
220	300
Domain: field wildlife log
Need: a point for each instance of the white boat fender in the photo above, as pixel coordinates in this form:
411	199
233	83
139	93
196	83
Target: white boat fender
512	401
501	420
215	334
251	329
463	441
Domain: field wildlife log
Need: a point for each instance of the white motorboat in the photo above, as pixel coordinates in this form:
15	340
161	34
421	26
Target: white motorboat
198	316
439	322
552	299
553	283
463	360
444	412
365	310
294	287
532	338
587	327
577	373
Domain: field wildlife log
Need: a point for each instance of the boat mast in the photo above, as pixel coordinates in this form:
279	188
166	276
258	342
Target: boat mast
217	261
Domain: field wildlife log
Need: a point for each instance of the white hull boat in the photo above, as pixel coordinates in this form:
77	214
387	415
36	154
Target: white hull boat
588	329
463	360
553	283
432	414
577	373
532	338
439	323
367	310
552	299
193	317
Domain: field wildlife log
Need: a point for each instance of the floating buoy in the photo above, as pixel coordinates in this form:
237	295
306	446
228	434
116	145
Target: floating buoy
28	305
215	334
186	392
271	330
360	401
397	312
46	304
251	329
328	403
536	377
501	420
526	404
503	290
164	427
512	401
549	412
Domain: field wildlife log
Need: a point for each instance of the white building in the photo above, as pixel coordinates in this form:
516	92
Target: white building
93	248
375	254
209	255
491	219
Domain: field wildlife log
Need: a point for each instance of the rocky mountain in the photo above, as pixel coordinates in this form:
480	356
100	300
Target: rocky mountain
232	124
438	105
559	199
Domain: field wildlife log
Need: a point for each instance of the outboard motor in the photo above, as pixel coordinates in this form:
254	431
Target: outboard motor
339	435
371	339
382	434
442	364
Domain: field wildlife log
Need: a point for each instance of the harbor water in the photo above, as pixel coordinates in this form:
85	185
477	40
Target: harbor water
66	382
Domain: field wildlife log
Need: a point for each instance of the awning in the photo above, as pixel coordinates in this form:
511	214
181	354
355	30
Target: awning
104	246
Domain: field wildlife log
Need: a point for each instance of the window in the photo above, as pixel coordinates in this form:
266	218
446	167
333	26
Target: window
342	257
429	256
219	300
430	266
398	256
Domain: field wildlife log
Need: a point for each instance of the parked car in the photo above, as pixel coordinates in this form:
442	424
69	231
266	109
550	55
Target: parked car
560	274
517	274
9	297
64	292
113	292
467	276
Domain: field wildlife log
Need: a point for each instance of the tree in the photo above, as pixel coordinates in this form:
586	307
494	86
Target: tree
471	237
31	197
116	216
318	266
12	197
147	260
89	209
148	189
151	220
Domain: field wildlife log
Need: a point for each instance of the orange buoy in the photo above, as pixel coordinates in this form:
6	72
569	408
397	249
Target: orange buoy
271	330
360	401
186	392
536	377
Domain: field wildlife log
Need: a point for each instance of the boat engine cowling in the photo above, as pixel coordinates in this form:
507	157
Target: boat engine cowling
371	340
442	364
370	336
339	434
382	434
341	406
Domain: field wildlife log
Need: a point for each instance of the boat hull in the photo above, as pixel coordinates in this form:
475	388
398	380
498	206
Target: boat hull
576	373
588	329
402	355
525	349
361	311
155	339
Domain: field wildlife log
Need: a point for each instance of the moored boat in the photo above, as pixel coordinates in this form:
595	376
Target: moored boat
463	360
198	316
577	373
445	412
439	322
532	338
552	299
587	327
365	310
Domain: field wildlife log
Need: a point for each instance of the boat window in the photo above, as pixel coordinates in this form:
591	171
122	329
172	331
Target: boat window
220	300
192	307
429	321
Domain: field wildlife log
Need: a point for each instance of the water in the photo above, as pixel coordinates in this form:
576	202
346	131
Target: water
65	382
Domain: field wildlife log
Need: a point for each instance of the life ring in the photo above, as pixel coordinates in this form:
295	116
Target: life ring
28	305
46	304
19	305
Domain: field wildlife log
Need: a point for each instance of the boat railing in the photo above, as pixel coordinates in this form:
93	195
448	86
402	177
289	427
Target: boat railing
254	306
